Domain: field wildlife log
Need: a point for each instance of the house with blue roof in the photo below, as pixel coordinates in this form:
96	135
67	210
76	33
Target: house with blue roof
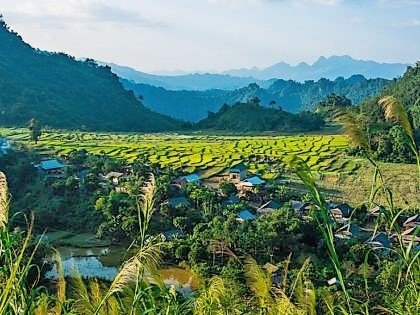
52	167
251	184
187	179
380	241
268	207
245	215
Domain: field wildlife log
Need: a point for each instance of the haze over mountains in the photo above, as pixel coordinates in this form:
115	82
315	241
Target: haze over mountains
290	95
328	68
63	92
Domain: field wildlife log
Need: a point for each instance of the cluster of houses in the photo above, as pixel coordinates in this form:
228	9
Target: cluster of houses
341	214
56	169
236	175
246	183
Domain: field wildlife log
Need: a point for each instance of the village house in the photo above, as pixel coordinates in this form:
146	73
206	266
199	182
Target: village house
245	215
341	213
171	234
349	231
52	167
231	200
298	206
250	184
269	207
113	177
237	173
380	241
191	178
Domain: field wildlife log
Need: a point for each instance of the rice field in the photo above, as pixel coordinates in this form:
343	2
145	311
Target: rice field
206	154
342	176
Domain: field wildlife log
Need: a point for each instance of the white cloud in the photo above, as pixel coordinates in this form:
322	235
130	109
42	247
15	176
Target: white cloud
60	13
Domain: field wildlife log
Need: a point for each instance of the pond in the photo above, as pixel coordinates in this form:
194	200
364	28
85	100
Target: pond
103	263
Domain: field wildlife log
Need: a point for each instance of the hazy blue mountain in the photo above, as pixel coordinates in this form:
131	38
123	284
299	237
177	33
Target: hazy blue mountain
290	95
329	68
194	81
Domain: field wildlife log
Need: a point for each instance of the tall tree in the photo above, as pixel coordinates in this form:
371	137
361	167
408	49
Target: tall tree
35	129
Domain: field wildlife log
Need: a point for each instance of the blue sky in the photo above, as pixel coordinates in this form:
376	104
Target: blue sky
216	35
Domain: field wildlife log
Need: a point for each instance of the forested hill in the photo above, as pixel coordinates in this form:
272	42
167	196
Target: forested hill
292	96
387	139
407	88
61	92
252	117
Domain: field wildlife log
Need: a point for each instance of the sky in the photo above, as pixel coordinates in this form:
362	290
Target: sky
217	35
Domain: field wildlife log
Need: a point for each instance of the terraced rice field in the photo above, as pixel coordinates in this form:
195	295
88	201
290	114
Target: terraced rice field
339	176
206	154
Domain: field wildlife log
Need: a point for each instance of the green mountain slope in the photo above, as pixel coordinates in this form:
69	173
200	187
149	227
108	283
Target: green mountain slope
243	117
386	138
290	95
64	93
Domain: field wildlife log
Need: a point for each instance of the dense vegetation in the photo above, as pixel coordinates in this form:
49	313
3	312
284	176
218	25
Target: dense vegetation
290	95
385	137
226	254
244	117
62	92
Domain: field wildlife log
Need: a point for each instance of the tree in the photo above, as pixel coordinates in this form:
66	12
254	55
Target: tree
336	100
228	188
35	130
181	223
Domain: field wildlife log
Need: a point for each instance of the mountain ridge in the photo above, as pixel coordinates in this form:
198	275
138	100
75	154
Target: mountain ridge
330	68
62	92
324	67
292	96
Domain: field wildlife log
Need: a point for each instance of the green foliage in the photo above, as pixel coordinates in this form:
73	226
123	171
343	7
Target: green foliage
289	95
35	130
245	117
396	107
61	92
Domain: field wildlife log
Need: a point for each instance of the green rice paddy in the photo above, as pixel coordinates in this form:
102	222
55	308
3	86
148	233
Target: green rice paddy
206	154
339	175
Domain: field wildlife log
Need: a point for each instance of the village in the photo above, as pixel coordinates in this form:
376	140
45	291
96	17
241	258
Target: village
254	196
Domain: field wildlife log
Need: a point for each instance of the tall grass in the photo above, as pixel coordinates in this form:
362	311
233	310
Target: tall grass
407	293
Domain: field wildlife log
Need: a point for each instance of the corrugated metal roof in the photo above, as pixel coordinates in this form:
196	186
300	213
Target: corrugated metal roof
255	181
192	178
246	215
51	165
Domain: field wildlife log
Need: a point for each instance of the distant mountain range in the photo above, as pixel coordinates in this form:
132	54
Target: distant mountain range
193	81
328	68
290	95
